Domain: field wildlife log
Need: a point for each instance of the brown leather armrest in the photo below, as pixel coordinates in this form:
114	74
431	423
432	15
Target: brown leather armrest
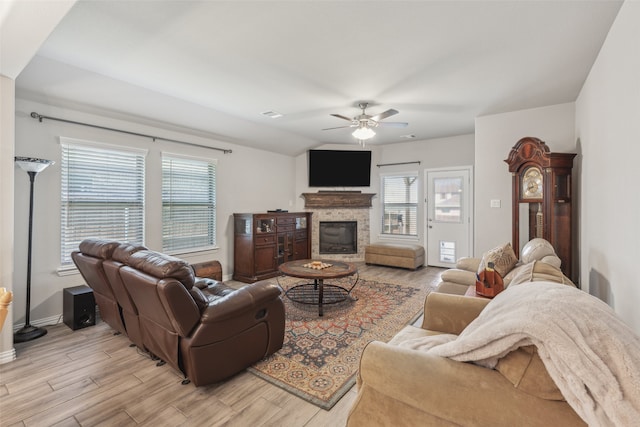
246	298
209	270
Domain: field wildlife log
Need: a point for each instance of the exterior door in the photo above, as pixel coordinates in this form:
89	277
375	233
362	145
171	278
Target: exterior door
448	211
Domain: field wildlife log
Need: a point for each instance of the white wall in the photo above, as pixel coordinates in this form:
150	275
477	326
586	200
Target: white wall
608	132
7	121
302	173
434	153
249	180
495	136
24	26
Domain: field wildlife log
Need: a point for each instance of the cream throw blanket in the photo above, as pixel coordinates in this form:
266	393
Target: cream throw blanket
593	357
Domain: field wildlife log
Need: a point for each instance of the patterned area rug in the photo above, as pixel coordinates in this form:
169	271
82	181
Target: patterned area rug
320	355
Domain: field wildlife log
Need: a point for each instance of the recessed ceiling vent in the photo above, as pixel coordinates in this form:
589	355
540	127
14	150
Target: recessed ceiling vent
272	114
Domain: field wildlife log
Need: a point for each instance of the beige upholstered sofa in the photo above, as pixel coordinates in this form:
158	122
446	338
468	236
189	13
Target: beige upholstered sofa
483	362
404	387
538	261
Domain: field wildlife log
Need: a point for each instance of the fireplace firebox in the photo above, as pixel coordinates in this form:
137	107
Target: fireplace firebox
338	237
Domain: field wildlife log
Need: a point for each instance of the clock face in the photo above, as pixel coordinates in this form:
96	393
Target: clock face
532	183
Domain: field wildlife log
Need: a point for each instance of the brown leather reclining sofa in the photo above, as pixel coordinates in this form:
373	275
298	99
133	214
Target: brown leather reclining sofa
201	327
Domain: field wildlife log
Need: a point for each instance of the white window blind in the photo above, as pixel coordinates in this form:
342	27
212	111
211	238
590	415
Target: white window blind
102	195
400	205
188	203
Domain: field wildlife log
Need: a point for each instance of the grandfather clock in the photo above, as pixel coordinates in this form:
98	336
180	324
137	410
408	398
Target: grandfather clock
542	197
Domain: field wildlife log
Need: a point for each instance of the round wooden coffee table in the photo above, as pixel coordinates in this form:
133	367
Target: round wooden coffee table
318	292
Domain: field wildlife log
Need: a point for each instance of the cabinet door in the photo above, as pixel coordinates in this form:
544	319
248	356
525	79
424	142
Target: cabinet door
265	259
285	247
301	249
301	245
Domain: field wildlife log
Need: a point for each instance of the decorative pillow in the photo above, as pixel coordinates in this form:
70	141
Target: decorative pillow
503	258
525	370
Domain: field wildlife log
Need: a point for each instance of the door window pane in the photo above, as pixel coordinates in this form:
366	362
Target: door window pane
447	204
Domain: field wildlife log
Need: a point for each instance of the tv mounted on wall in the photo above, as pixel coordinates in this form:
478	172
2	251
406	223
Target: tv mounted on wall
339	168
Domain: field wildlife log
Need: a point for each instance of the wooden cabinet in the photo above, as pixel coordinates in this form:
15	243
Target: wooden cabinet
542	204
263	241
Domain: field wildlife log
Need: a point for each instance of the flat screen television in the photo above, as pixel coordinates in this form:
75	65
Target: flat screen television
339	168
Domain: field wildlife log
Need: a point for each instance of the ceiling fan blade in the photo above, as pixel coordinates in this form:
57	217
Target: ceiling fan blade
393	124
338	127
390	112
340	116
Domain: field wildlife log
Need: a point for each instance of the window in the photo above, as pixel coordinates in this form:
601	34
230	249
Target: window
188	203
447	205
400	205
102	194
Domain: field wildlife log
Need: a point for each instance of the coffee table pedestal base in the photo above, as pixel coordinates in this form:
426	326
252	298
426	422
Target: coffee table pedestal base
318	293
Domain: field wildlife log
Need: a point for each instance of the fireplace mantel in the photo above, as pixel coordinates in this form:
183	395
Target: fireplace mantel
337	199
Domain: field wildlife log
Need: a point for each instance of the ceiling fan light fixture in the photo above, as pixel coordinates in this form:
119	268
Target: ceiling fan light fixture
363	133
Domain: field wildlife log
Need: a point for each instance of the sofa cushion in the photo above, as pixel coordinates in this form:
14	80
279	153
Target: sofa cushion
536	249
98	248
123	252
456	275
503	258
163	266
538	271
411	332
552	260
468	264
525	370
199	298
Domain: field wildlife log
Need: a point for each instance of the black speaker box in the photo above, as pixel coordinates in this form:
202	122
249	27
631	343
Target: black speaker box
79	307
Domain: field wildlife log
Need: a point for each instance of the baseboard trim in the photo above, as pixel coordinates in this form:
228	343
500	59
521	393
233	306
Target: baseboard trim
8	356
47	321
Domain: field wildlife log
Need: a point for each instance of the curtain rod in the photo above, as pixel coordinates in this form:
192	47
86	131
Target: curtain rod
40	117
395	164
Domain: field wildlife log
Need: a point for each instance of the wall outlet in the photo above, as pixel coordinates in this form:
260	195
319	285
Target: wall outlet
495	203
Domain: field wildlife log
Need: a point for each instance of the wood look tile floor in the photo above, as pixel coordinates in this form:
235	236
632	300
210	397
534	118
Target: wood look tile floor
91	377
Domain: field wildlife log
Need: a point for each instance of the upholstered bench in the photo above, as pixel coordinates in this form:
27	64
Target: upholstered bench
394	255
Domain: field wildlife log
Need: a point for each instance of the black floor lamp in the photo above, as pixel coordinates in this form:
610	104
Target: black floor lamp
32	166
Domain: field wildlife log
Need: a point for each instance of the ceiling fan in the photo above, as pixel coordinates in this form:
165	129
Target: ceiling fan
364	123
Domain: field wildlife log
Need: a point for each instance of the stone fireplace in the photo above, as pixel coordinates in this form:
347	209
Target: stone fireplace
340	206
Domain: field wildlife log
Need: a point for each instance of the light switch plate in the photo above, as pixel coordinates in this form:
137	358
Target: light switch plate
495	203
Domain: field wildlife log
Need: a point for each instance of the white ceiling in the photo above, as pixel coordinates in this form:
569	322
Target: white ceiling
215	66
